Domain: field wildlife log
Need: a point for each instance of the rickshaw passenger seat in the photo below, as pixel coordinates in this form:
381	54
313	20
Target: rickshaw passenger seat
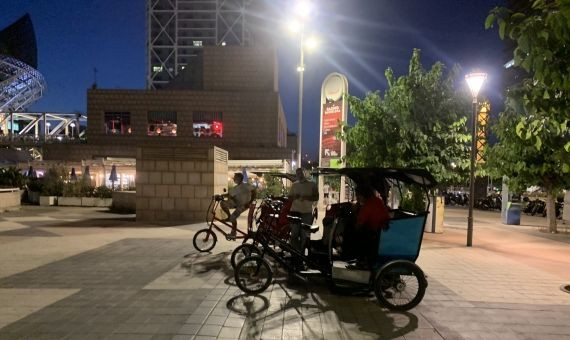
401	241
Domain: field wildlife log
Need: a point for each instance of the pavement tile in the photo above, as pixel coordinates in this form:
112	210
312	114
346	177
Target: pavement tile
215	320
230	333
189	329
210	330
121	286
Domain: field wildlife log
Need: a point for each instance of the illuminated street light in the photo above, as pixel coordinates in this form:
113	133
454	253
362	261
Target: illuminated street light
294	26
475	82
302	11
311	43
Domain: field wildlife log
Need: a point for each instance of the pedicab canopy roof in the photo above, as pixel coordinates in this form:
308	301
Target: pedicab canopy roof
375	176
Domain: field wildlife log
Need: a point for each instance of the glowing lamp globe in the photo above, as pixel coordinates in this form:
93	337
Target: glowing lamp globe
475	81
303	8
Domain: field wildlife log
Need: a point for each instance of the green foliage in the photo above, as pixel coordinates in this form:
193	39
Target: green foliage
419	122
78	189
35	184
53	181
273	186
12	178
103	192
413	199
534	130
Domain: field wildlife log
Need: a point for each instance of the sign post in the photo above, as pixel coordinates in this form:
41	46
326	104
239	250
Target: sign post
334	109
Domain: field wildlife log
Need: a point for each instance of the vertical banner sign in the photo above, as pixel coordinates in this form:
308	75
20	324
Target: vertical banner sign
332	149
333	114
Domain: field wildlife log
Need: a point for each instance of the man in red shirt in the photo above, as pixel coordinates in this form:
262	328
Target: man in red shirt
372	217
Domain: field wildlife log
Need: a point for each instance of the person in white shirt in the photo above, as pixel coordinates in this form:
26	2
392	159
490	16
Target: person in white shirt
239	198
304	194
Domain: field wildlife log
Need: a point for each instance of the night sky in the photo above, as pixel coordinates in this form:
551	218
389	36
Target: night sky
359	38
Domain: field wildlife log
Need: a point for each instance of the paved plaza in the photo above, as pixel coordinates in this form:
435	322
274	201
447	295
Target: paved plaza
84	273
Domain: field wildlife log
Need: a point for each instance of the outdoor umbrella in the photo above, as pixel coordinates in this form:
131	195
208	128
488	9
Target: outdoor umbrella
73	176
113	177
87	176
31	172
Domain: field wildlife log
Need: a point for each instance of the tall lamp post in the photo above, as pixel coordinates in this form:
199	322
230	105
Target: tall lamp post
302	11
475	81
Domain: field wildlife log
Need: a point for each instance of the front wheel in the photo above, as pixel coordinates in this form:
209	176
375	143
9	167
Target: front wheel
253	275
204	240
400	285
243	251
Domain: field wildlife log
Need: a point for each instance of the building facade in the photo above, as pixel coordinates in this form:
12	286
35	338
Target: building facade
179	29
237	108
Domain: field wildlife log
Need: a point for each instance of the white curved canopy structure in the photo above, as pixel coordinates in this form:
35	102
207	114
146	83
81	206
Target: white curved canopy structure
20	84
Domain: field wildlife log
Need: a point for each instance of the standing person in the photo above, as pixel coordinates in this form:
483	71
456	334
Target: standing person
304	193
240	198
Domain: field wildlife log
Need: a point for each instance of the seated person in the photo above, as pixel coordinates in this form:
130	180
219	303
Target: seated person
240	198
361	241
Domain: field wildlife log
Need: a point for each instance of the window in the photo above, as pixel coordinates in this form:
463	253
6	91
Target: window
161	123
197	43
208	124
118	123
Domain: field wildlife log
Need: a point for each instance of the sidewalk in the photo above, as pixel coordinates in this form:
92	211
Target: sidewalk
79	273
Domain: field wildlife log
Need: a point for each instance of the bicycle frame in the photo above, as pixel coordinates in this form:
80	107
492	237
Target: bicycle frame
265	237
213	221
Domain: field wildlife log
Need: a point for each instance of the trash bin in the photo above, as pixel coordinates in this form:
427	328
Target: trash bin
513	213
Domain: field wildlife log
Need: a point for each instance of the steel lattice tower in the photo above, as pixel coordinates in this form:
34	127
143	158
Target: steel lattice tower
178	29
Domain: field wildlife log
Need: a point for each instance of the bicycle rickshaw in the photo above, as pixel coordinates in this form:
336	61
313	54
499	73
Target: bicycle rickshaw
205	239
271	214
268	212
398	283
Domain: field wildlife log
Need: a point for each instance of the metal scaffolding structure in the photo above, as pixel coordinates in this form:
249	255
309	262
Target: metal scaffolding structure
20	84
31	130
178	29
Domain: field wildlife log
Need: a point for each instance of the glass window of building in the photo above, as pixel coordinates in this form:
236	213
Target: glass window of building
162	123
208	124
118	123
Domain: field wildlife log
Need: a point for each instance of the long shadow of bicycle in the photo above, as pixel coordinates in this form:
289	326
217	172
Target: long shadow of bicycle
303	301
304	304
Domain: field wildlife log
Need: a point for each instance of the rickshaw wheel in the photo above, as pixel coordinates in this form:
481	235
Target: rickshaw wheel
204	240
253	275
400	285
242	251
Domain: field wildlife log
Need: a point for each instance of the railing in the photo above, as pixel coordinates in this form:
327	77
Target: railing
9	190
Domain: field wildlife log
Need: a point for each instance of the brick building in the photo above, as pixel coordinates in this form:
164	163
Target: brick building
236	107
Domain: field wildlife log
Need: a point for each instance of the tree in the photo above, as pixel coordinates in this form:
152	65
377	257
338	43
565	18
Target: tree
534	129
419	122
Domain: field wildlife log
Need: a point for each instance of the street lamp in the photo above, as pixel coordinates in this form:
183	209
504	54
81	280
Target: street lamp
302	11
475	81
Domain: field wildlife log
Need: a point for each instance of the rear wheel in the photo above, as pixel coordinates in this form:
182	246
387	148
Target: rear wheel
243	251
400	285
253	275
204	240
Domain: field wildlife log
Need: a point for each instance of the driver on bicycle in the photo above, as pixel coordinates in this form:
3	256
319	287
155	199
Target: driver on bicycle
240	198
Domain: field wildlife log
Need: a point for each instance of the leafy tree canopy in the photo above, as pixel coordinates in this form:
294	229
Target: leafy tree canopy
418	122
534	130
